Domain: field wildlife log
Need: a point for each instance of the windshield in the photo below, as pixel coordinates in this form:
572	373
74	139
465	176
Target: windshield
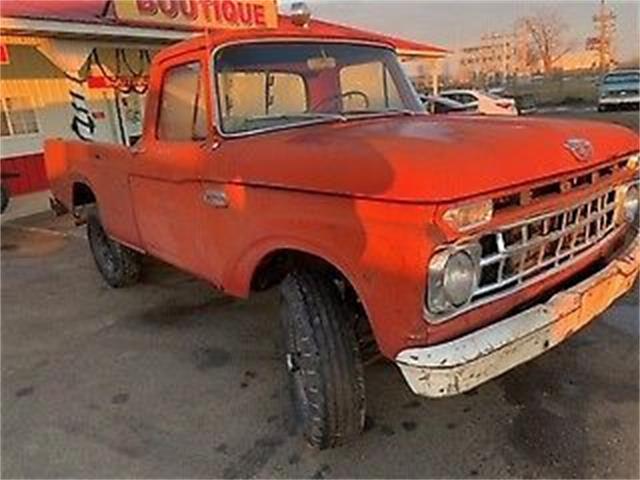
630	77
273	85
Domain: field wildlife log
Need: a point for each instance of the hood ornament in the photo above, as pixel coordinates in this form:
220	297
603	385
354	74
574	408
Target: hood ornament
580	148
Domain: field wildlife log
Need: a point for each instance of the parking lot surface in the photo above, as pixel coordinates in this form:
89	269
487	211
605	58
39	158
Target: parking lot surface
628	118
171	379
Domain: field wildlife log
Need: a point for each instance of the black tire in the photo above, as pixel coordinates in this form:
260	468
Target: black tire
4	191
325	370
119	265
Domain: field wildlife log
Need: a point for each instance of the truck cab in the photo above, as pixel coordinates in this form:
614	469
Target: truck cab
457	247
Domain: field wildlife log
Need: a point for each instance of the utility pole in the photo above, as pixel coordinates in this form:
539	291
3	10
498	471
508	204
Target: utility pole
605	24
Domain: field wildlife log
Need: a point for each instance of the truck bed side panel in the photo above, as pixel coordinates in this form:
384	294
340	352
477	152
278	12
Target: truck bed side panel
105	169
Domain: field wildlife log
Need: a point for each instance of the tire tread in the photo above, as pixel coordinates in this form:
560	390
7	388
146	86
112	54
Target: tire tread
315	301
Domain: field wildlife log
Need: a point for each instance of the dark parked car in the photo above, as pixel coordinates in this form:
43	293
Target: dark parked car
525	104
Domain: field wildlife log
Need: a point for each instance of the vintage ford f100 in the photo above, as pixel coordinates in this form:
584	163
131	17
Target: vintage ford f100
457	247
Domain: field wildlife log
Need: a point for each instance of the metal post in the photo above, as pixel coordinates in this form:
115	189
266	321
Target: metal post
434	77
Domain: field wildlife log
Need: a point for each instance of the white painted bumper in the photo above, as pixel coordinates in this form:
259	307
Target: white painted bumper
459	365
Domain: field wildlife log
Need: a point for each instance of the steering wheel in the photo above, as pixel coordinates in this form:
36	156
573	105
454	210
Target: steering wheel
350	93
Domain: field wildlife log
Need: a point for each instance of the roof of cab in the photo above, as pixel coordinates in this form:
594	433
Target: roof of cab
286	30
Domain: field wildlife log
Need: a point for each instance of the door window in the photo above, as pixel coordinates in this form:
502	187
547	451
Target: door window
182	108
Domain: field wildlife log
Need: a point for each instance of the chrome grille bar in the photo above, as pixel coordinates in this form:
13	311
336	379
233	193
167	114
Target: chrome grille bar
523	251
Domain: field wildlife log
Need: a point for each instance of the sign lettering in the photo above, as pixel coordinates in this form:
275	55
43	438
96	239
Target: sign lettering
4	54
231	14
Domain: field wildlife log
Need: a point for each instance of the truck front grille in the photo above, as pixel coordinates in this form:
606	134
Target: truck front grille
518	254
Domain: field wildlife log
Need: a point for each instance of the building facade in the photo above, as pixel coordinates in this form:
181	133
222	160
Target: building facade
74	75
496	57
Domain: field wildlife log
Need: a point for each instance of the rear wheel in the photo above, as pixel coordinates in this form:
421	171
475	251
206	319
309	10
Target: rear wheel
119	265
322	358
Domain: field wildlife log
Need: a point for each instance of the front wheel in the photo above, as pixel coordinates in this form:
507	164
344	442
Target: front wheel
119	265
322	358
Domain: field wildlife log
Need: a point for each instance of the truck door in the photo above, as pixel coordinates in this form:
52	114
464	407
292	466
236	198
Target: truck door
166	178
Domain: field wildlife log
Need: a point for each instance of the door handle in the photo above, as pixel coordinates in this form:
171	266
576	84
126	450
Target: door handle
216	198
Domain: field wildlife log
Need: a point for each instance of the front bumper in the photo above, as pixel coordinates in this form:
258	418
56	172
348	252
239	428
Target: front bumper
459	365
631	99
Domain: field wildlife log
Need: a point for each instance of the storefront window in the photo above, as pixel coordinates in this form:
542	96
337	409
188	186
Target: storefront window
18	117
4	124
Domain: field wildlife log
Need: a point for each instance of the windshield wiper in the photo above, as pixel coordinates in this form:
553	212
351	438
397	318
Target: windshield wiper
300	116
376	113
329	116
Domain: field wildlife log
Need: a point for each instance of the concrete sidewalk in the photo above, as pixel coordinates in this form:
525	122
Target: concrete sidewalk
26	205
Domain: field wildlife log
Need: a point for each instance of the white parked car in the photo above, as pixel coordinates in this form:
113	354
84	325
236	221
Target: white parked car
484	102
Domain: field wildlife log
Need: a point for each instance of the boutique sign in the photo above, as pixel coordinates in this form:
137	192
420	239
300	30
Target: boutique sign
234	14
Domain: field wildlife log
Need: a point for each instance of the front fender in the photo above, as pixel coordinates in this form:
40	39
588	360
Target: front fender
381	249
237	279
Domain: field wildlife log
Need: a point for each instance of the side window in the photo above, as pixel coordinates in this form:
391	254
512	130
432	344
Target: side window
182	109
468	98
249	98
374	81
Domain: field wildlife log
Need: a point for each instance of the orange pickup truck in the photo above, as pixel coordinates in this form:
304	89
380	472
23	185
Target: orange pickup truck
457	247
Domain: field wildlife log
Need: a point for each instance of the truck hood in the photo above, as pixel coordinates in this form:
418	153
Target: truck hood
421	158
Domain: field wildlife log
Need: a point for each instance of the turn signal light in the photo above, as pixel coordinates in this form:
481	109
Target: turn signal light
470	215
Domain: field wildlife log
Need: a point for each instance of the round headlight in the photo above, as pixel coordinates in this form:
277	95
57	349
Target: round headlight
459	277
631	203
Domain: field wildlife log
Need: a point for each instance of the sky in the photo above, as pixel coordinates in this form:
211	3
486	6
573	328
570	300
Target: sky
456	23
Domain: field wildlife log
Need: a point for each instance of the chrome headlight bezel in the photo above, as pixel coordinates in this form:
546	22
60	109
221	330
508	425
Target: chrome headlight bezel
440	302
631	203
628	200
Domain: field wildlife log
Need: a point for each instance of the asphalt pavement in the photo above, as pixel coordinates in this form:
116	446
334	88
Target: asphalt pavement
627	118
170	379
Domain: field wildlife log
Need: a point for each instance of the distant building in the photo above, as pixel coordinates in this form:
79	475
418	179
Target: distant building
500	56
495	58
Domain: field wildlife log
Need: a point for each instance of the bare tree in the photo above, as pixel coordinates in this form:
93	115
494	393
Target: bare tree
546	34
